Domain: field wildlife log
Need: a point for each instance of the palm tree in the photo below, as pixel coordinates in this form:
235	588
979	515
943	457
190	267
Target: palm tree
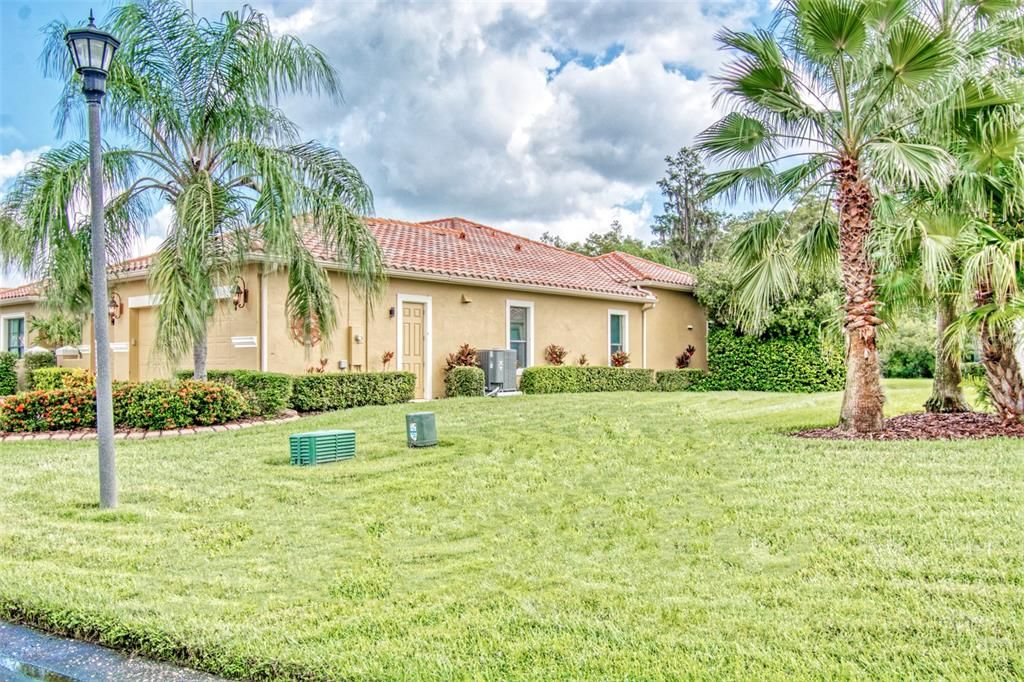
919	247
197	102
842	89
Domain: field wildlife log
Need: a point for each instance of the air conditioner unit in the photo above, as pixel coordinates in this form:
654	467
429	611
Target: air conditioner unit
499	368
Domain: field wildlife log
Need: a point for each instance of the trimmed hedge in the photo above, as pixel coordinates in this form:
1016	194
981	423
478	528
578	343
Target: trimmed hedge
749	363
8	373
565	379
36	361
50	378
265	393
462	382
678	379
338	391
148	405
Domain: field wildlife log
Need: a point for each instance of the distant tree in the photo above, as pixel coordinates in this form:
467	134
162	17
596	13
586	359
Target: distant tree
688	227
615	239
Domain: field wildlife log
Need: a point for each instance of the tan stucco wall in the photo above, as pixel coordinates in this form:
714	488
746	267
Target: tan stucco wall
459	314
676	321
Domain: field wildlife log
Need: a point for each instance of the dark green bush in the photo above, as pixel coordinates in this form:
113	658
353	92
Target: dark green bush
585	379
322	392
749	363
678	379
907	351
8	373
915	363
464	382
265	393
36	361
50	378
972	370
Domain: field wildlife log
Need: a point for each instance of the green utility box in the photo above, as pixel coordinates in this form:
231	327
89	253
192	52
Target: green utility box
321	447
421	429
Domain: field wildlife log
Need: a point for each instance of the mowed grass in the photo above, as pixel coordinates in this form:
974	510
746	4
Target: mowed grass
615	536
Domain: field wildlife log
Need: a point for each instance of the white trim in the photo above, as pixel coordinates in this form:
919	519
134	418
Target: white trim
119	347
243	341
84	349
146	301
625	331
662	285
509	304
24	331
428	357
264	351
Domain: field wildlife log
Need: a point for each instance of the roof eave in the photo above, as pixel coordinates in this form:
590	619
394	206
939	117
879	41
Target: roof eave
664	285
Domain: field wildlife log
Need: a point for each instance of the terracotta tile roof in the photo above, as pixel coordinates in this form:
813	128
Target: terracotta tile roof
23	291
456	247
637	269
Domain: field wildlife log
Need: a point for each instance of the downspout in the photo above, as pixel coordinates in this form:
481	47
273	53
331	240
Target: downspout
643	317
264	351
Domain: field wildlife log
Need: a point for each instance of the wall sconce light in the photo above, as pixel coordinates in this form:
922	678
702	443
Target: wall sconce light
466	299
115	308
391	312
240	294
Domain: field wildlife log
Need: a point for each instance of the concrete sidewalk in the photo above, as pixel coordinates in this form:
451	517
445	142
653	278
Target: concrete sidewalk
27	654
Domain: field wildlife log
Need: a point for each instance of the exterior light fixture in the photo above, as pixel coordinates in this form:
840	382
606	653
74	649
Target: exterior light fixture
391	312
92	51
240	294
115	308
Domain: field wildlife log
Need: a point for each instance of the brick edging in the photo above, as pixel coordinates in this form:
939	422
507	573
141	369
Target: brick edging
142	434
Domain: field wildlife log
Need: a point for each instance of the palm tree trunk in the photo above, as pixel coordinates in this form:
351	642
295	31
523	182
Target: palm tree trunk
199	349
862	401
1002	372
947	396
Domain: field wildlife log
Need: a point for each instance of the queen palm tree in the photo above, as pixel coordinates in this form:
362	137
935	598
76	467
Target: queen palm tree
196	101
836	96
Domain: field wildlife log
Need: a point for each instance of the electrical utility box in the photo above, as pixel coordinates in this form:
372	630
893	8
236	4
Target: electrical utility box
321	447
420	429
499	368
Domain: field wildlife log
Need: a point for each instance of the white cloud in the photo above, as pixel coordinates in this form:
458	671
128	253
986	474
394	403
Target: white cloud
13	163
462	108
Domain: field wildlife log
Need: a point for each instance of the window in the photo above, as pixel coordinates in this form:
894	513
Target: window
618	332
519	315
14	335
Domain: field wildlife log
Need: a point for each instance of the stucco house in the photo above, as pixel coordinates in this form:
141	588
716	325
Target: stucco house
450	282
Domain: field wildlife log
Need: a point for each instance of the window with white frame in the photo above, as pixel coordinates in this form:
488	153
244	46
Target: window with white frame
14	335
519	317
618	332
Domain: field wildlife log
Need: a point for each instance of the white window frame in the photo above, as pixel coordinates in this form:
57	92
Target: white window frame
513	303
428	360
24	326
625	331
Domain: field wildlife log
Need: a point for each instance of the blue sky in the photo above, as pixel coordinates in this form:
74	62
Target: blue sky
530	116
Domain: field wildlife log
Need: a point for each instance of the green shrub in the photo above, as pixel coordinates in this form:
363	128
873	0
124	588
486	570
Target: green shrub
148	405
464	382
167	405
323	392
749	363
50	378
585	379
972	370
678	379
8	373
908	350
58	410
265	393
35	361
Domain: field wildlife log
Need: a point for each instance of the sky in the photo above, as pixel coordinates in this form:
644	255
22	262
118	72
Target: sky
530	116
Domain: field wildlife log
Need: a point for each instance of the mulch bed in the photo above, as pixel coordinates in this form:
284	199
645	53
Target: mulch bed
923	426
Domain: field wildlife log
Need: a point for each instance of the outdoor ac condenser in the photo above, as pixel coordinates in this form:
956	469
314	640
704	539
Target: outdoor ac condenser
499	368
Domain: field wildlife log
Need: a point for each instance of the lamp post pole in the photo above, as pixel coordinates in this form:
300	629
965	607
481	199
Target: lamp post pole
92	51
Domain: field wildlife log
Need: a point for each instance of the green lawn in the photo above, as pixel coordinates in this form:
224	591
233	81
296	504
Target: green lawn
615	536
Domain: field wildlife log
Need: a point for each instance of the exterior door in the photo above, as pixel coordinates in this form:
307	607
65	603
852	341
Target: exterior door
412	343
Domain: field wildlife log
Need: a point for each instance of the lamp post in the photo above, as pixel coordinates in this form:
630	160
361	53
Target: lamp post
92	50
